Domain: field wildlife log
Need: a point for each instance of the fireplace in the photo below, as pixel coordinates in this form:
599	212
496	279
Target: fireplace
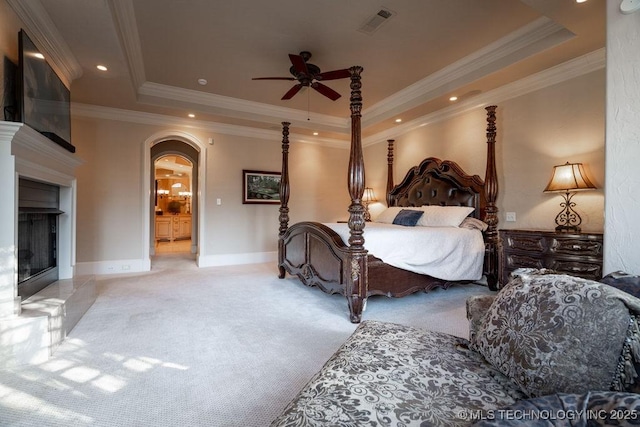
38	210
37	247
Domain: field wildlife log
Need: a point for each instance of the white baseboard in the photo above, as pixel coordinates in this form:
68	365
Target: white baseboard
125	266
237	259
118	266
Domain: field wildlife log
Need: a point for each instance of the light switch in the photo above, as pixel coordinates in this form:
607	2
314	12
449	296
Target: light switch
218	202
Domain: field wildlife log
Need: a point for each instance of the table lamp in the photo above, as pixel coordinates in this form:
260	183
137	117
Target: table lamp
367	198
568	179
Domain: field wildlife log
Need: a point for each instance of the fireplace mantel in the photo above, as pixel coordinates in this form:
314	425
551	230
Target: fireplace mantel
26	153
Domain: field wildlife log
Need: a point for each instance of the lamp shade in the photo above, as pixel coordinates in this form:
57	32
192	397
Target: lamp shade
569	177
369	195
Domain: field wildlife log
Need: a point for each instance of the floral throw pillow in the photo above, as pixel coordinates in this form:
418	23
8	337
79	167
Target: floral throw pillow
555	333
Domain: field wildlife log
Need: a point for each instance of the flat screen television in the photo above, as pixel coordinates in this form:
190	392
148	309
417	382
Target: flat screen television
45	101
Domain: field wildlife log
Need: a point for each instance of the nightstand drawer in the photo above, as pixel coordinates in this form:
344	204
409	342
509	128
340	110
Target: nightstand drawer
524	243
513	261
578	247
576	254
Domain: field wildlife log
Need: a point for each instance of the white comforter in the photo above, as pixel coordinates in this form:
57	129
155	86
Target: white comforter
447	253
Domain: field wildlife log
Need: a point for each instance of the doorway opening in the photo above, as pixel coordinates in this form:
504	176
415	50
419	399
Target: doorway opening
175	167
173	204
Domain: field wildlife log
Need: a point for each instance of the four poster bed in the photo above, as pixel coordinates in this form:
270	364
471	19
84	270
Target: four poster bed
318	255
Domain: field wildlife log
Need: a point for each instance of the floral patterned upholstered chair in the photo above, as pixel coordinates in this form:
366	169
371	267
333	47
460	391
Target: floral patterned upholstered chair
543	336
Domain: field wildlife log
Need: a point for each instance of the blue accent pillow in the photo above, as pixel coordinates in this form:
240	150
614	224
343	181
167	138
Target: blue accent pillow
408	217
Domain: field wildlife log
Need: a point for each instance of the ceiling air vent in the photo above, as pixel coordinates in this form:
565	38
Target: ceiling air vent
372	24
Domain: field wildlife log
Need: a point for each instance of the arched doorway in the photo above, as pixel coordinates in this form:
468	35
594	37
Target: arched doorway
175	153
173	192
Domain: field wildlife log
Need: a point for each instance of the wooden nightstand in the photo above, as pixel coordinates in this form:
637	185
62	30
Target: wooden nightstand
568	253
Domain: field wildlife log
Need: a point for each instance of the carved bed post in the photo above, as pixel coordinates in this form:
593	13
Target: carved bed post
284	197
389	170
491	210
357	271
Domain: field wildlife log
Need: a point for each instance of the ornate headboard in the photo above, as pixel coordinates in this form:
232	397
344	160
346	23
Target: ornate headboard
438	182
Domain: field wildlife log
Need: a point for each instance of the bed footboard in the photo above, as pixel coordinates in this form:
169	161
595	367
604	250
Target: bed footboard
315	254
318	257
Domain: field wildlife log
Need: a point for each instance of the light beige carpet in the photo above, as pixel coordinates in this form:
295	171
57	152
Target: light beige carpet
182	346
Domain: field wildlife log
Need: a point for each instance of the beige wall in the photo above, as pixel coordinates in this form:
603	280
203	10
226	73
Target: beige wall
560	123
111	190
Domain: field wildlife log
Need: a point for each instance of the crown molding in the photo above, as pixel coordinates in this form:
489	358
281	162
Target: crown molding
577	67
46	36
167	96
124	20
527	41
116	114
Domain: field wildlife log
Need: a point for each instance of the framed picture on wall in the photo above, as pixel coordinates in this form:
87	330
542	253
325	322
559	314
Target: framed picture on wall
260	187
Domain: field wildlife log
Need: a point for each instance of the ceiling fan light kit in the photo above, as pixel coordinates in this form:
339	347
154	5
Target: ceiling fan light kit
309	75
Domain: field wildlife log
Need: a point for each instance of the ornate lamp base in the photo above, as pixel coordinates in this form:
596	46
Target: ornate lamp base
367	214
568	220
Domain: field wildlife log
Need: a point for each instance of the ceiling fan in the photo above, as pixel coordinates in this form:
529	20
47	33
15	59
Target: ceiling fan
309	75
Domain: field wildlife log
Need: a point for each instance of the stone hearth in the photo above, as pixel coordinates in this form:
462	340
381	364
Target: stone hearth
30	330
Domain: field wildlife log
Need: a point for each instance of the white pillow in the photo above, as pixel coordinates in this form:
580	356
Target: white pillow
387	216
443	216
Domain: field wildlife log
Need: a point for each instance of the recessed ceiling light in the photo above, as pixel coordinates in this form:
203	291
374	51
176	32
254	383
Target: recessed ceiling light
202	82
192	115
38	55
453	98
101	67
315	133
398	120
629	6
581	1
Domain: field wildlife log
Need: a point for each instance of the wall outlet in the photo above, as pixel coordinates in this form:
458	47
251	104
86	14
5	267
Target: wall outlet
218	202
126	267
511	217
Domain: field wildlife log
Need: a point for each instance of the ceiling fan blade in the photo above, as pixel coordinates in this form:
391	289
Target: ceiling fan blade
334	75
326	91
274	78
292	92
298	63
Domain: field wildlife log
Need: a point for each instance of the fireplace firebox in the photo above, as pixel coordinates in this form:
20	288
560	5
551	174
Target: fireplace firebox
38	210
